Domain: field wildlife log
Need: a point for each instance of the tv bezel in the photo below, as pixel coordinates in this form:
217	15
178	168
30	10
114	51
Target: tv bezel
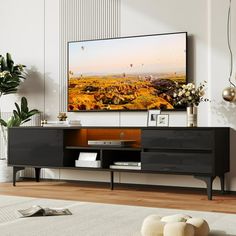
134	36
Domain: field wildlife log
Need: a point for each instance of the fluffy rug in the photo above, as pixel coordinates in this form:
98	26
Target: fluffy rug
90	219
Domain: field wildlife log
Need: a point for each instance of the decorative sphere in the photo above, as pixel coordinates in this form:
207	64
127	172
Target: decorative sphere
229	94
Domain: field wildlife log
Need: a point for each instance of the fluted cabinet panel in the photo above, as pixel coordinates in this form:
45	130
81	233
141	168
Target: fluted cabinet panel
82	20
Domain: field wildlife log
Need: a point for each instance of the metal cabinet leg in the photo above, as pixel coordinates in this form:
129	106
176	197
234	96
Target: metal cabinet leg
208	180
15	170
37	174
222	183
112	180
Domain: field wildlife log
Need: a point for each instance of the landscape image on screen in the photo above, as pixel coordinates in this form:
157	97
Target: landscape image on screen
134	73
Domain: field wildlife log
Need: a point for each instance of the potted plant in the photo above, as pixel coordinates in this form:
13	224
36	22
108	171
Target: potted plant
20	116
11	76
190	96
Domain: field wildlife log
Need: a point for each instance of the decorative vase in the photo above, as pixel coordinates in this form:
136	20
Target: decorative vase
192	116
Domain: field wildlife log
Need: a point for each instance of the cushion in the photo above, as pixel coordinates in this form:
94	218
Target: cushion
200	225
175	218
152	226
178	229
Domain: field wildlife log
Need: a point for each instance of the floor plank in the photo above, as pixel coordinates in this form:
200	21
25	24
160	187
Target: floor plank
163	197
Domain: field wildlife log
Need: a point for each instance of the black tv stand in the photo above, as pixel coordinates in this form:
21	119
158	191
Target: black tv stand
202	152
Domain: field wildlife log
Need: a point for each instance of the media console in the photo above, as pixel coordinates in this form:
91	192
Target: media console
202	152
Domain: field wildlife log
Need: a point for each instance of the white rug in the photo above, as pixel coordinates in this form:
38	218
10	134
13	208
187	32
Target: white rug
93	219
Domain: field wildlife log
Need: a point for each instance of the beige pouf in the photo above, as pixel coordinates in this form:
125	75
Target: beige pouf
152	226
175	218
178	229
201	227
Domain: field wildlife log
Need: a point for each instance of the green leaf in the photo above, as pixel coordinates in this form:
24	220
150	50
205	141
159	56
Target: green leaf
33	112
17	108
3	64
10	62
23	115
9	91
3	123
21	76
24	104
14	121
25	121
15	113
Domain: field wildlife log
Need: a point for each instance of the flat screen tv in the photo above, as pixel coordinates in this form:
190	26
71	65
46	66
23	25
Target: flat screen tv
126	74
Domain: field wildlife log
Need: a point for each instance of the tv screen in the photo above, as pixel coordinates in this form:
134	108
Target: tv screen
126	74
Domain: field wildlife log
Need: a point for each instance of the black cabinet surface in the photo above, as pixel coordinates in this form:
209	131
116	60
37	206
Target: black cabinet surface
177	138
202	152
35	147
177	162
186	150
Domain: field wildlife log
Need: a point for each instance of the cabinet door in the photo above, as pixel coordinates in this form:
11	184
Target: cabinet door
178	139
35	147
177	162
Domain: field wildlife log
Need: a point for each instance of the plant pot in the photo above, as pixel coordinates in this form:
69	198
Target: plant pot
6	172
191	116
4	143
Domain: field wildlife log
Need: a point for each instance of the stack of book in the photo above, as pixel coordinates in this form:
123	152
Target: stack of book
62	123
74	123
55	124
129	165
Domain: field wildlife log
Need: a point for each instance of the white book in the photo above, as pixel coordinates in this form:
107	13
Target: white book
125	167
74	125
127	163
87	156
57	122
92	164
55	125
74	121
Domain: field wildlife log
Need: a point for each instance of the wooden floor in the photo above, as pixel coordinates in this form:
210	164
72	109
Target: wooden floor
162	197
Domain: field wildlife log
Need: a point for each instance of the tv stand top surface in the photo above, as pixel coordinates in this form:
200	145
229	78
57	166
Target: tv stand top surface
116	127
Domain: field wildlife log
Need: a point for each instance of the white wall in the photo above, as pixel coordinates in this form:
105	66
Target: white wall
222	113
22	34
161	16
41	28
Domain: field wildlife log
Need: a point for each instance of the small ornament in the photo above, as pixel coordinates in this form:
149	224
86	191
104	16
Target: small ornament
229	94
62	116
43	122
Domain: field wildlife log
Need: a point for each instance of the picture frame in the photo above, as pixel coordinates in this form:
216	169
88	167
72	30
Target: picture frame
152	117
162	120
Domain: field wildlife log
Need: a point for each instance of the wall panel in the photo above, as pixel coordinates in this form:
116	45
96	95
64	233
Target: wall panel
81	20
